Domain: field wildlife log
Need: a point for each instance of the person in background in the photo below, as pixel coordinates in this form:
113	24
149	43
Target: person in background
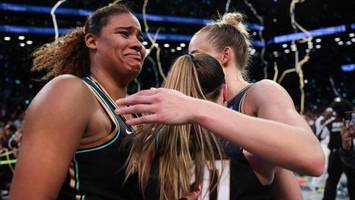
335	166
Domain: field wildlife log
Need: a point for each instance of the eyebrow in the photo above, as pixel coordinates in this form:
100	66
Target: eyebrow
129	28
194	51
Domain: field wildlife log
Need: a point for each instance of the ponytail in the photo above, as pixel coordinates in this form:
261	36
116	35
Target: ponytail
67	55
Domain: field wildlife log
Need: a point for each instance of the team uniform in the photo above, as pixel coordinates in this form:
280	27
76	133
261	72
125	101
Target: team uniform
237	181
244	184
97	169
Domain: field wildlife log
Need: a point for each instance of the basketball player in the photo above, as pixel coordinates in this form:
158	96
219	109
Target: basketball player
72	140
267	130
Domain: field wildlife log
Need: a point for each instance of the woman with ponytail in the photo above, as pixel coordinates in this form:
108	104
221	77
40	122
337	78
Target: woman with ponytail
268	136
72	140
164	155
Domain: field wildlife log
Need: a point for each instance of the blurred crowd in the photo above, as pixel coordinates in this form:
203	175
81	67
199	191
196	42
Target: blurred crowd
10	140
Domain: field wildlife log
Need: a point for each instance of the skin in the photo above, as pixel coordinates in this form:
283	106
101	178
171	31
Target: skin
347	136
277	132
52	130
282	180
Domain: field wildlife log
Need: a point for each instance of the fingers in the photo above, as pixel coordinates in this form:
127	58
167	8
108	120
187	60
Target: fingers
193	195
137	109
145	119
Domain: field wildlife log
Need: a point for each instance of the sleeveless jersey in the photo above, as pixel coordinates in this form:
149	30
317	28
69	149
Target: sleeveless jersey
97	172
244	184
237	181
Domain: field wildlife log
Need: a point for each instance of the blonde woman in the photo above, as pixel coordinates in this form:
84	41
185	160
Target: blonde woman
267	129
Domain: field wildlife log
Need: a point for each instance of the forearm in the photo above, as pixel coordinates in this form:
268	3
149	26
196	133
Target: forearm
271	140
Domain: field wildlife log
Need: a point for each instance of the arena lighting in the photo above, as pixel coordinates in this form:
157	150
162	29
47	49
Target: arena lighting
82	12
314	33
348	68
7	38
50	31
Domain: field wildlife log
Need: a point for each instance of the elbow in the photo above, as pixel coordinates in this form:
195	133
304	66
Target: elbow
316	165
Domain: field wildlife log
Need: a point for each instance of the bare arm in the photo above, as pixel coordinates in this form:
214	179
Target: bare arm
285	186
53	126
274	141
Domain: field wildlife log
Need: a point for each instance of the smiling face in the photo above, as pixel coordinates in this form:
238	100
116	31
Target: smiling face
119	46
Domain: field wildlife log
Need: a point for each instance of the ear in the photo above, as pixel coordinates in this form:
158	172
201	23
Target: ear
227	55
90	41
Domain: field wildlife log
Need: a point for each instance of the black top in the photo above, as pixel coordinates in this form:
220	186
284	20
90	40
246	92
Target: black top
334	128
237	181
244	184
97	169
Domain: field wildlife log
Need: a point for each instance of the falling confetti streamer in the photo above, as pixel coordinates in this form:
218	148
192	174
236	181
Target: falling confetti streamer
152	40
331	80
227	6
54	18
260	33
276	69
298	64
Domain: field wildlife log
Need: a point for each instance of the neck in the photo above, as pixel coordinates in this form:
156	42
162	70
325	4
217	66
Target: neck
234	80
115	87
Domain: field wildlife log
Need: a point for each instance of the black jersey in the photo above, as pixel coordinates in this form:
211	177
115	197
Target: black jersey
243	183
97	171
237	181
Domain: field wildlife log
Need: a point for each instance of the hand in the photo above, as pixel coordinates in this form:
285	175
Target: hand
346	137
193	195
158	105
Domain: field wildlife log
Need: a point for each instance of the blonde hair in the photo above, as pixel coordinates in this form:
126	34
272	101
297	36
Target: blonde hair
230	31
180	150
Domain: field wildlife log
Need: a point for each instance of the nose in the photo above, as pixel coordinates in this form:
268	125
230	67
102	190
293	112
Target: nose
138	46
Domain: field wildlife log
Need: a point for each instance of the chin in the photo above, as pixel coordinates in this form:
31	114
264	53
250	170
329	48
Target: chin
136	69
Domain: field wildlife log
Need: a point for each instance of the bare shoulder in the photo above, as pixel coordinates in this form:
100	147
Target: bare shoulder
63	87
269	92
60	96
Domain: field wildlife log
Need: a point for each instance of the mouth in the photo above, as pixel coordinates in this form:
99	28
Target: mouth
135	56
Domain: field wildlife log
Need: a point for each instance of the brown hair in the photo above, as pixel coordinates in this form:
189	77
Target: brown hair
69	54
178	149
230	31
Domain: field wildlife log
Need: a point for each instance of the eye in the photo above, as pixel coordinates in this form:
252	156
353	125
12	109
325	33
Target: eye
124	34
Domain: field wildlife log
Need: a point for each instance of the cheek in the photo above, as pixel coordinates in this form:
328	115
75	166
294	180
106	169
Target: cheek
143	52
